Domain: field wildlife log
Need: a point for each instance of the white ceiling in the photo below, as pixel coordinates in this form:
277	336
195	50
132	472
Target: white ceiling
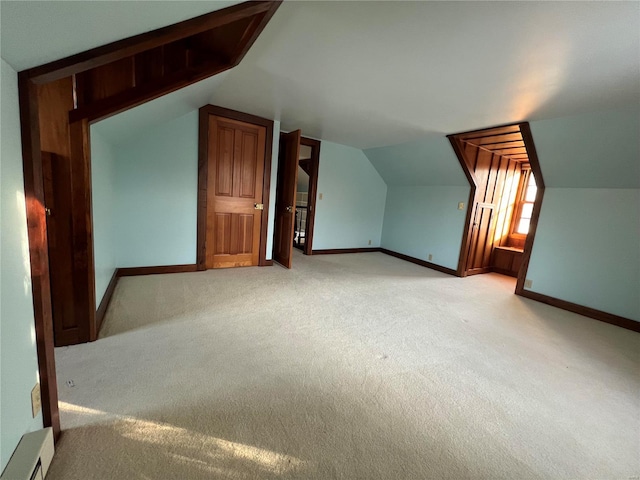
369	74
38	32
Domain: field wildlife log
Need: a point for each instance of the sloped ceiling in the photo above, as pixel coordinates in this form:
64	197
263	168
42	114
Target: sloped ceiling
596	150
430	161
38	32
123	127
372	74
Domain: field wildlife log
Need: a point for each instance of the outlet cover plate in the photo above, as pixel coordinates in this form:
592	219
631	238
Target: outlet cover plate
528	283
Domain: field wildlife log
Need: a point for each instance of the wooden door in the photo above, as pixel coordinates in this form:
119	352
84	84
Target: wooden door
57	196
481	245
236	158
286	197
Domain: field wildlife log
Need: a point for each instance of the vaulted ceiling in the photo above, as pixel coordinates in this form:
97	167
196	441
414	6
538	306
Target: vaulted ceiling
371	74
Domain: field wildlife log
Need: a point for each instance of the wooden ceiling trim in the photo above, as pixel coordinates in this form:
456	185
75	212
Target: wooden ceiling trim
146	41
131	81
496	139
500	145
135	96
505	129
508	151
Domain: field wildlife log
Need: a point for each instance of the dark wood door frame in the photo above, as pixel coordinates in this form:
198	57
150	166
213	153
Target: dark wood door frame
525	130
286	192
203	168
246	21
313	188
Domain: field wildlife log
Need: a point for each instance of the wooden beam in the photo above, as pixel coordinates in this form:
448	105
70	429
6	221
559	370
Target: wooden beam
38	251
82	228
138	95
537	206
112	52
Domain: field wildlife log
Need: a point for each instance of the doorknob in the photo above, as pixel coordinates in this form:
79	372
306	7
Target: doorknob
258	206
289	208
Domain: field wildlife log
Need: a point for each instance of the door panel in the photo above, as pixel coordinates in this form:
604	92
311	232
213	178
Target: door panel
286	197
224	165
236	167
481	245
56	174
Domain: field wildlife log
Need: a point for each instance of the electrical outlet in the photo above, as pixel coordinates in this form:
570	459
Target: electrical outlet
319	196
36	404
528	283
369	242
460	205
430	257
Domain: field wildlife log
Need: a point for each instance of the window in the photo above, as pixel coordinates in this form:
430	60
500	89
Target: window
526	197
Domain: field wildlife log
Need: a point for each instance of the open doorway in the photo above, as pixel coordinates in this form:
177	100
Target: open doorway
504	202
306	194
295	196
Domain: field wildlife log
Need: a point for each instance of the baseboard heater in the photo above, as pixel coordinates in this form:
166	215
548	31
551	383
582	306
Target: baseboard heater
32	457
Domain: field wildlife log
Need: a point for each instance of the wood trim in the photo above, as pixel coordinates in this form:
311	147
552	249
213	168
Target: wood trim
106	298
422	263
252	34
527	138
82	228
266	187
203	167
135	271
336	251
267	263
38	251
537	206
313	189
525	172
127	47
582	310
473	185
136	96
503	271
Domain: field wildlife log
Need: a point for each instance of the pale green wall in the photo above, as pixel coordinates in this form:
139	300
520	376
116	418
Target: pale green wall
353	198
156	182
18	357
103	203
595	150
427	162
419	221
587	249
156	185
425	183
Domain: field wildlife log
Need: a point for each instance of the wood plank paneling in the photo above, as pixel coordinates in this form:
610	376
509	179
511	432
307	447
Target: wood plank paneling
105	81
494	176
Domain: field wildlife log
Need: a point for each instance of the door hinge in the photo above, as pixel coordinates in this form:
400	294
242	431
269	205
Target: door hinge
47	211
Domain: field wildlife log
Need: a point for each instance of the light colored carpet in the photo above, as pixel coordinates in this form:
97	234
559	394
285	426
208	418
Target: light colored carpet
356	366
